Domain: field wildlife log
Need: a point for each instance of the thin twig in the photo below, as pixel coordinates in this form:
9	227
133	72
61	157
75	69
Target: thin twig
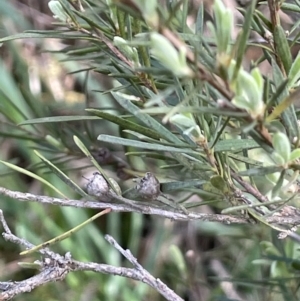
146	277
140	207
150	209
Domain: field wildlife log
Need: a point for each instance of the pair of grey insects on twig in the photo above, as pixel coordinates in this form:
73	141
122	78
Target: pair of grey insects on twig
147	188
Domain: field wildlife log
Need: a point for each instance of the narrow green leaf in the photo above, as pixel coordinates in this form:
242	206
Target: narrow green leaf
282	47
240	207
199	20
9	109
235	145
260	22
61	175
145	118
290	7
58	119
94	162
280	182
278	78
184	15
198	164
125	123
191	165
46	35
245	159
146	145
150	155
30	174
294	74
172	186
283	107
20	136
223	26
288	115
261	171
29	265
64	235
243	38
277	94
171	166
195	109
91	22
161	142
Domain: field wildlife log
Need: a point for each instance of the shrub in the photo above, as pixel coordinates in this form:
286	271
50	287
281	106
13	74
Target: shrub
176	100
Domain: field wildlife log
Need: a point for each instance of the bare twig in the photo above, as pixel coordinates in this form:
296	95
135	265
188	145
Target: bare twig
274	12
55	268
145	276
140	207
147	208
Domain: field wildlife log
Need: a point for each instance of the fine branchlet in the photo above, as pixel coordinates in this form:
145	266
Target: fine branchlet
127	205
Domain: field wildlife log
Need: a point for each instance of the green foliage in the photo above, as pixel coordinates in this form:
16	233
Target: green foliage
178	103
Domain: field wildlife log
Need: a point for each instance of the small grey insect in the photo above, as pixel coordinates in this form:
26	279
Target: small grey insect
97	186
148	187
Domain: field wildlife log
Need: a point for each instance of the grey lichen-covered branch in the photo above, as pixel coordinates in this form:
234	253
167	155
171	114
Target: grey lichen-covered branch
55	267
293	218
140	207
